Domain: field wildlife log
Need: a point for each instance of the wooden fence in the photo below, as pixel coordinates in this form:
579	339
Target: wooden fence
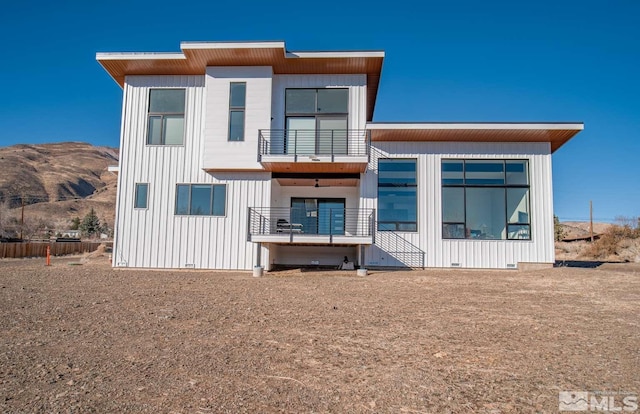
34	249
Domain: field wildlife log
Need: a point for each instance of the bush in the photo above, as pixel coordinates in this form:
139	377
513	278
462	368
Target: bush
617	240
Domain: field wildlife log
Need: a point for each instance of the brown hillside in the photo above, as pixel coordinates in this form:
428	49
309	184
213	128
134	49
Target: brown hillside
59	181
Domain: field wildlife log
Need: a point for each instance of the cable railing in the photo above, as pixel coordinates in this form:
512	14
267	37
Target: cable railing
347	222
308	142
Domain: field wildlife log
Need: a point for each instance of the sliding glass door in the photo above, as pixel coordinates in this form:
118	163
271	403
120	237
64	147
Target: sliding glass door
301	136
319	215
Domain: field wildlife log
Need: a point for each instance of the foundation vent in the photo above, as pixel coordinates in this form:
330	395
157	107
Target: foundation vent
455	264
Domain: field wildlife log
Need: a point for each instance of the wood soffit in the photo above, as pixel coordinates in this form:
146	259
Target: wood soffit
194	61
556	137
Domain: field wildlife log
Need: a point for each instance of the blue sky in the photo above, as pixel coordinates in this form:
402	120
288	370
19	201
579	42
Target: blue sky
445	61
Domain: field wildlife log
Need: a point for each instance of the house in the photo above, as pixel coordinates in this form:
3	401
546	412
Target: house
234	155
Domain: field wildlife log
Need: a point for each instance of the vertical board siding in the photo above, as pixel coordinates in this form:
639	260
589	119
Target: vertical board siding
405	248
155	237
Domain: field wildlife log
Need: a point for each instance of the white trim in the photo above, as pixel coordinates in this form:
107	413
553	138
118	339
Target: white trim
578	126
338	54
140	56
231	45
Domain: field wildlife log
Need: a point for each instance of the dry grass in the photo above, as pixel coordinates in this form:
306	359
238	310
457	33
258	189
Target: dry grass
90	338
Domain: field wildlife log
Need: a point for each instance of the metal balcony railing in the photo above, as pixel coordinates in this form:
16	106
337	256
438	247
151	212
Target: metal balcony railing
321	142
348	222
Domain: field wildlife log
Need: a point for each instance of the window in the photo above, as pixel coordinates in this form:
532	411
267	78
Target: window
141	196
166	117
237	99
397	195
201	199
485	199
316	121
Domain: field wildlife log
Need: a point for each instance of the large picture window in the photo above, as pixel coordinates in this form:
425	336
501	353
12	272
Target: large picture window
200	199
166	117
316	121
397	195
485	199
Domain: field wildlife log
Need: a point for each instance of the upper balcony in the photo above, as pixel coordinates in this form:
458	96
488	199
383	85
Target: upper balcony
309	150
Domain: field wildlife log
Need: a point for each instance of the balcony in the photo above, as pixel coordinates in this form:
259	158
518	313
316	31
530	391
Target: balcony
322	226
326	151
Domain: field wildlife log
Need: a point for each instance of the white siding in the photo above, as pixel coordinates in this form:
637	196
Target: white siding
220	153
156	237
282	195
408	249
357	85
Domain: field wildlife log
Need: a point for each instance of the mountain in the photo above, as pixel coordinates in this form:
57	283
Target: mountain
58	181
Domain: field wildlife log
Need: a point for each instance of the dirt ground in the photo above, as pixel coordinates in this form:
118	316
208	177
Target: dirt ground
88	338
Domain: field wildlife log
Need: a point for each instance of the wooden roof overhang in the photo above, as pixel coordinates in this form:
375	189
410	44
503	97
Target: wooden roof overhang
555	133
196	56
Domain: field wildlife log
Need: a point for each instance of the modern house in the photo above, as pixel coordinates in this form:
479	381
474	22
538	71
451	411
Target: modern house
234	155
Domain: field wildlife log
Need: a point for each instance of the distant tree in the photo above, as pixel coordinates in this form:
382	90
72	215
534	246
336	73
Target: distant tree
90	225
35	227
75	223
105	228
558	231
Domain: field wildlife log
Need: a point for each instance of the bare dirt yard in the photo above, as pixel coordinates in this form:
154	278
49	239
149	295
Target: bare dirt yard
88	338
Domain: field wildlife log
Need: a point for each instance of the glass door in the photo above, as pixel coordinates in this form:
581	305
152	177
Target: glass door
301	136
331	217
319	215
332	135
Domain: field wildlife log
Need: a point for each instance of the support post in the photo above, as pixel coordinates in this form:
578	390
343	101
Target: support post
48	255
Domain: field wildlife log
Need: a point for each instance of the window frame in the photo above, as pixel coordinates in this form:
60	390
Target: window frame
162	116
236	108
135	197
505	186
316	114
189	200
416	186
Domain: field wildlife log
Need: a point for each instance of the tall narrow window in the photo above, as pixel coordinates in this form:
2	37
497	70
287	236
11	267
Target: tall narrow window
485	199
237	99
166	117
141	195
201	199
397	195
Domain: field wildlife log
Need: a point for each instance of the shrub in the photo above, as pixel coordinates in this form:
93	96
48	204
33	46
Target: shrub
616	241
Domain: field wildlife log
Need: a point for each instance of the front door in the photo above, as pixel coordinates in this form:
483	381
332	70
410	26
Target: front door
319	215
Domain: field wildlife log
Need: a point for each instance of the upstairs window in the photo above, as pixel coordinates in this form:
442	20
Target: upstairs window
166	117
237	101
316	122
397	195
486	199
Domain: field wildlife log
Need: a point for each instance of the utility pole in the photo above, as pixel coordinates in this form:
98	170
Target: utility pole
22	216
591	219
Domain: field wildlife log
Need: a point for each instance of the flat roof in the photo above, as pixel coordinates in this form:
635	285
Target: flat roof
555	133
196	56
